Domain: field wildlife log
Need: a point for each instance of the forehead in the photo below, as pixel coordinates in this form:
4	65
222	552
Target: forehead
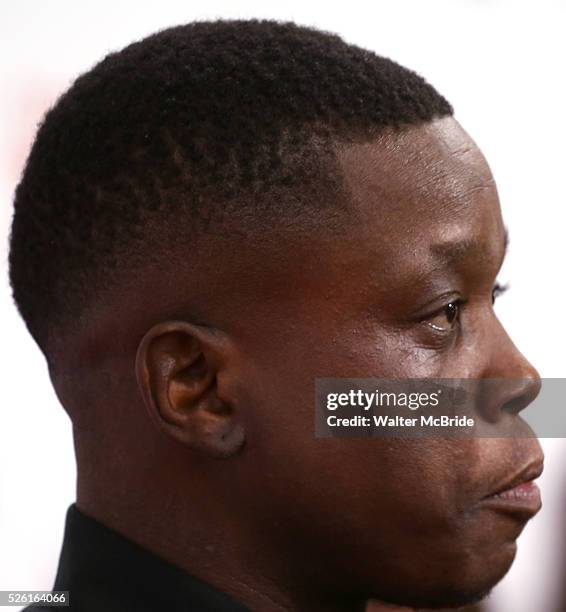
422	193
430	171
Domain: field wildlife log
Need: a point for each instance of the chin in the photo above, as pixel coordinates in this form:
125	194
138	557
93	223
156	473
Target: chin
476	579
465	583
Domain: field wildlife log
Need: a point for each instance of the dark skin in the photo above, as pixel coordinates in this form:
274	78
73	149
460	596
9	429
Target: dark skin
193	415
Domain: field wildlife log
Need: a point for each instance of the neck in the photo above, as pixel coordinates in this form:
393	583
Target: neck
192	535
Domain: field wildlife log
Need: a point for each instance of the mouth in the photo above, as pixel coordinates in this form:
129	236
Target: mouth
518	495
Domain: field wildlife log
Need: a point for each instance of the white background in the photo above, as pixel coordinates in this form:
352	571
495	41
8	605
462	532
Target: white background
501	64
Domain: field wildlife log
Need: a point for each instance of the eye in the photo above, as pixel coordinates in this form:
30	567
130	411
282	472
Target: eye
446	319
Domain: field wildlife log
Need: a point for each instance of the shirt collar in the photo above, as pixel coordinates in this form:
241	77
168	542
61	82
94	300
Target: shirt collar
103	570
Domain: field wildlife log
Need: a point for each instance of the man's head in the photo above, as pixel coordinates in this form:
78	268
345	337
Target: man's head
208	221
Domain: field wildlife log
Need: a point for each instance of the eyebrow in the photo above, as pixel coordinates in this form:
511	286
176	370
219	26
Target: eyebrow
456	249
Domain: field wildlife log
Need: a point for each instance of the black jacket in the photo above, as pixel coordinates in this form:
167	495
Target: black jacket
105	572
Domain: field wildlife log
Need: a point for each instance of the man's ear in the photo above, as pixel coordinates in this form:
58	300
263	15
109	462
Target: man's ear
177	366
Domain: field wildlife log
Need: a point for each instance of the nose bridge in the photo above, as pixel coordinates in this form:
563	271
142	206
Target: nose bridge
511	382
505	359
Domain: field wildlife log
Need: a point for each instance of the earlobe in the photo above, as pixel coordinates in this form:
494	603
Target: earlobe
177	366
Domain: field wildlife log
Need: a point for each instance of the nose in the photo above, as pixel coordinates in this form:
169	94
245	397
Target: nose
509	382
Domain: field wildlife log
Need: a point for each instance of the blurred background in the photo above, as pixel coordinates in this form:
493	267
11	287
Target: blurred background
500	63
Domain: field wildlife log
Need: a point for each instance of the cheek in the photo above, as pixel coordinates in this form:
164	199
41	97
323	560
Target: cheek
416	481
368	510
368	350
400	493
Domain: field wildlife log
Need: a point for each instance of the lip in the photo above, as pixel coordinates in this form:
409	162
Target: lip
518	495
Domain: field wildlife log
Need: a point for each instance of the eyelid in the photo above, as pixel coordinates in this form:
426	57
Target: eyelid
434	307
444	333
498	289
459	302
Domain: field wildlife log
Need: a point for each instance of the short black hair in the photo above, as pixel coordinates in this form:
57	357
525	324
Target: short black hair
183	128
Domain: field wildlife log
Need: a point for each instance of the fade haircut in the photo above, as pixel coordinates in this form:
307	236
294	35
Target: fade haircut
181	132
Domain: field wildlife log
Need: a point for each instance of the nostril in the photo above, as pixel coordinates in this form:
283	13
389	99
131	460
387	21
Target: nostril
523	396
515	405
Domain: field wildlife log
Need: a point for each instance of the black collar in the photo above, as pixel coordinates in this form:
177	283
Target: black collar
105	572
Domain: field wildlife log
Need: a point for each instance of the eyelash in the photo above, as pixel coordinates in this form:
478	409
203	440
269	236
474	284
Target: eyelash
498	289
457	305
